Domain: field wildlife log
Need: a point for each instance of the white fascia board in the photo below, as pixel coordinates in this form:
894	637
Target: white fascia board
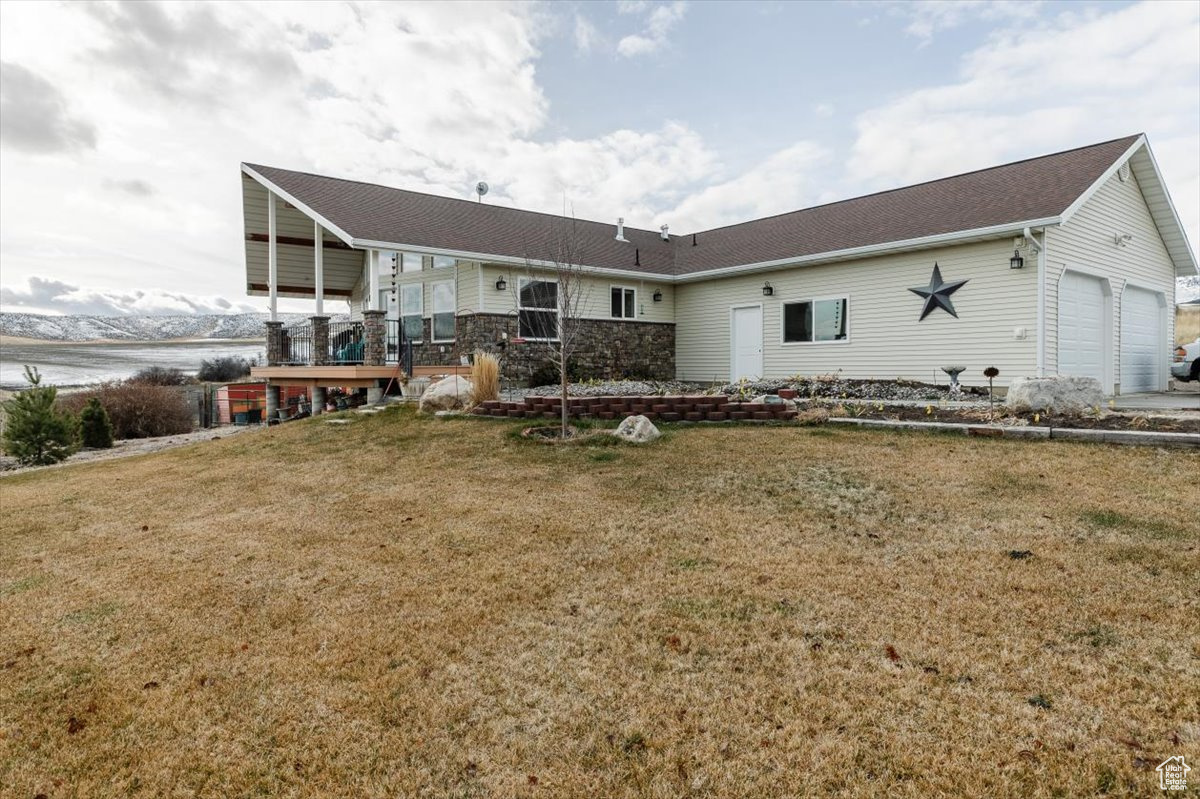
1187	245
1100	181
924	242
503	259
302	207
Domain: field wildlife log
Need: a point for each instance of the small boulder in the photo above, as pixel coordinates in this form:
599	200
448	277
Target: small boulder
1059	394
637	430
448	394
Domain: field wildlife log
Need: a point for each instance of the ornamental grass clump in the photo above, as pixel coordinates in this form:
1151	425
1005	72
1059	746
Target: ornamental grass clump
485	378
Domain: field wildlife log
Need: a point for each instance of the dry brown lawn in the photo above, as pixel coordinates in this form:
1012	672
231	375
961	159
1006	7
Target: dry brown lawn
411	607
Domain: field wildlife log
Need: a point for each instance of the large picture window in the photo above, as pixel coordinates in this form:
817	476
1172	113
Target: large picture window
412	304
537	309
815	320
443	311
623	302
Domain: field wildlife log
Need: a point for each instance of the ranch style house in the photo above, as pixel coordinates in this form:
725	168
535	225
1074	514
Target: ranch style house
1063	264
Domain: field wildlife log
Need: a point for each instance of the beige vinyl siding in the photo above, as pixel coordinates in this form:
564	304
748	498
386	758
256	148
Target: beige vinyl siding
466	285
1085	242
596	294
885	338
343	268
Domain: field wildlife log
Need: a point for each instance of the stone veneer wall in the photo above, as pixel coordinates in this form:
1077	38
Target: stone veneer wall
607	349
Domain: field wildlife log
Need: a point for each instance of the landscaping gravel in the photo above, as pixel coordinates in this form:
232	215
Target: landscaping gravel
613	388
827	387
805	388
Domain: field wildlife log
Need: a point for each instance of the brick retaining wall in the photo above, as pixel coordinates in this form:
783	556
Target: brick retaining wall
666	409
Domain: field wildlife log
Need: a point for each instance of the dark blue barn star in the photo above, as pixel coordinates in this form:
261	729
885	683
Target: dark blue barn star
937	294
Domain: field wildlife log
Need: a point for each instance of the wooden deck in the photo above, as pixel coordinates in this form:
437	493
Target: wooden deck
346	376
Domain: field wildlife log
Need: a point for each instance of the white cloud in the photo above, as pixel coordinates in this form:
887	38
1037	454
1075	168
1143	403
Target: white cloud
586	35
658	24
1076	81
788	180
824	110
929	17
42	295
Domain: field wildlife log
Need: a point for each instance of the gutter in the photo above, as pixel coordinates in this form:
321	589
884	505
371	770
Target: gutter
1040	247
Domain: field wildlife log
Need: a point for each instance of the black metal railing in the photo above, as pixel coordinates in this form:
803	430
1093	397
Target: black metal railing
297	344
397	347
347	342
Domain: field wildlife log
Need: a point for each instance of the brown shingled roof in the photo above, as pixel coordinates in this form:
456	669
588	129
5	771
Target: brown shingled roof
378	213
1036	188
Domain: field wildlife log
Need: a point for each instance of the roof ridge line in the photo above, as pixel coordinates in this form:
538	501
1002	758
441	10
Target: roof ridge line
881	192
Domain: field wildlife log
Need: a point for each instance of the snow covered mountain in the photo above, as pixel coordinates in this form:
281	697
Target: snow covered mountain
140	328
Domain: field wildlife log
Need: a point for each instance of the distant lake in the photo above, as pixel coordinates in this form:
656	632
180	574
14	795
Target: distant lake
74	364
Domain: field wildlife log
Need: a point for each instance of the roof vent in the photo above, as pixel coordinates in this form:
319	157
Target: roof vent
621	229
1123	172
664	235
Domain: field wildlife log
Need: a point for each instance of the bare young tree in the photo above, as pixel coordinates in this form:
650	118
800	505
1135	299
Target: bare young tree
549	299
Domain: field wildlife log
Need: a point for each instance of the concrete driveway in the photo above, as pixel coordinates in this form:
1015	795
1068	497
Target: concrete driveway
1186	396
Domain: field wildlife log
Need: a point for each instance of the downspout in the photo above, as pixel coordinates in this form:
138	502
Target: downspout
1040	247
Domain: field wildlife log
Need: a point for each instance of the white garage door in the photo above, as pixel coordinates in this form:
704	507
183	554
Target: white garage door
1081	314
1141	341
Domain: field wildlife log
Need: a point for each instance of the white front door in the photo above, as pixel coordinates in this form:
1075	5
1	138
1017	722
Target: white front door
746	346
1081	315
1142	341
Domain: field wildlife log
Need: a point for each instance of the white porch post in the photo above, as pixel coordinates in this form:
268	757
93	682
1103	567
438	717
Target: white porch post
272	257
319	266
373	266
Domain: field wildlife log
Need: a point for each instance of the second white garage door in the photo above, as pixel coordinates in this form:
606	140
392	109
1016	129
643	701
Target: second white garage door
1081	314
1141	341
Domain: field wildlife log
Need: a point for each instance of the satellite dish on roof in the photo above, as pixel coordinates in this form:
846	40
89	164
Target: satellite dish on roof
481	189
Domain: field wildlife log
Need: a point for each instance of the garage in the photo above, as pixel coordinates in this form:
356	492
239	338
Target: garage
1082	311
1141	341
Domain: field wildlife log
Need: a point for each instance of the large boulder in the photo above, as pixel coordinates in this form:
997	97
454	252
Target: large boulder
448	394
1058	394
637	430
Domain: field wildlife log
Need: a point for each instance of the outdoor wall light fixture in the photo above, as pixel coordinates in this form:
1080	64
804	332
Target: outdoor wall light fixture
768	289
501	284
658	296
1016	262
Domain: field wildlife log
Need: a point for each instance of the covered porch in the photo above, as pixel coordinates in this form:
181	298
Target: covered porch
292	252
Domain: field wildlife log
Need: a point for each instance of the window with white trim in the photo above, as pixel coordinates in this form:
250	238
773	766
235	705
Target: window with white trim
443	311
815	320
537	309
410	262
440	261
412	303
623	302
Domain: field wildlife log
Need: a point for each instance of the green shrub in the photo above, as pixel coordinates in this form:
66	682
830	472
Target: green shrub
224	369
137	410
94	425
35	431
547	374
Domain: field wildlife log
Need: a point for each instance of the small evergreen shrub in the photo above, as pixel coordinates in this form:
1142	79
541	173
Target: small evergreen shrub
161	376
224	370
95	427
35	431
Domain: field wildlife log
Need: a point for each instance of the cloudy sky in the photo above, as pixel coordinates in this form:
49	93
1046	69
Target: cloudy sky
122	124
